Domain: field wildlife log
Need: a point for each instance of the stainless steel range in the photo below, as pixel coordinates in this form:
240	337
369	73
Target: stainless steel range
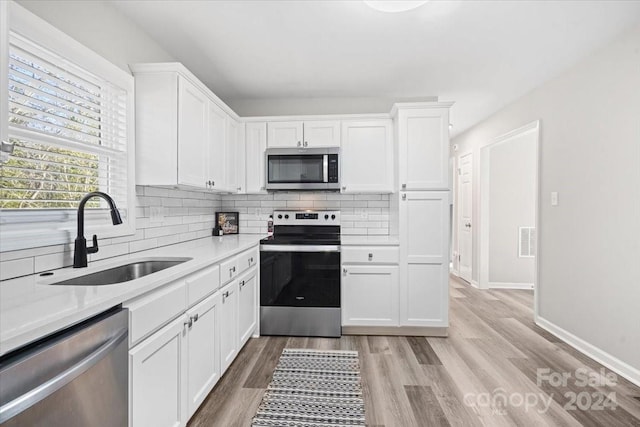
300	275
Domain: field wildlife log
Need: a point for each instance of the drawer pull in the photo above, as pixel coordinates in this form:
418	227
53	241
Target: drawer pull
195	317
242	284
344	271
189	323
370	257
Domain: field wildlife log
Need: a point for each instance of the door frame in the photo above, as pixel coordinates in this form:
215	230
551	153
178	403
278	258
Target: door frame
483	204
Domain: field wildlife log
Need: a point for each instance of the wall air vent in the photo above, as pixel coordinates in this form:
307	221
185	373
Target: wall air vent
526	242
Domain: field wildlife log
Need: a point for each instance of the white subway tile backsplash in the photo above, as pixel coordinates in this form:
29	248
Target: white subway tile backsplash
16	267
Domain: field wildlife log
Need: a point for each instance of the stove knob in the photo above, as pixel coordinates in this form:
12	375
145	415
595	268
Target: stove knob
333	217
286	217
280	216
326	217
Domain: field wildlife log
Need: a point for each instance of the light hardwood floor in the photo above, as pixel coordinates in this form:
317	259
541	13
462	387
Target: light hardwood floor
494	351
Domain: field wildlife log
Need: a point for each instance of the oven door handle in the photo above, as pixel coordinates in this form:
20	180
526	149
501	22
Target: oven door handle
300	248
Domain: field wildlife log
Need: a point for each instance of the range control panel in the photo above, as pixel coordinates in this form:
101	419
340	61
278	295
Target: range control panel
306	217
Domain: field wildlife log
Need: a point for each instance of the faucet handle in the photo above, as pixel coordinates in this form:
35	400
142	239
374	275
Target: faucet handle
93	249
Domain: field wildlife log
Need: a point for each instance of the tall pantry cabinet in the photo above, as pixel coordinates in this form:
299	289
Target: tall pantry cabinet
420	210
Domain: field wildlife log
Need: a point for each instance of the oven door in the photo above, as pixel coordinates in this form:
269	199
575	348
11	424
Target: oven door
300	290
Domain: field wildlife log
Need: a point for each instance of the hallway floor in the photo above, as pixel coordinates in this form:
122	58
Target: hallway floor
496	368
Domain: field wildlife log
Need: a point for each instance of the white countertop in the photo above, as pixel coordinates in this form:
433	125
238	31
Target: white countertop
369	240
31	308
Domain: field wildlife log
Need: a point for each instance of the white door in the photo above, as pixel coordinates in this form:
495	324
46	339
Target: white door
228	325
255	146
369	295
231	156
321	133
284	134
203	351
367	156
247	306
424	258
192	135
423	142
465	240
157	380
217	147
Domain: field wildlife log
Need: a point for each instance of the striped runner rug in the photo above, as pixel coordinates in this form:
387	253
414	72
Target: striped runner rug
313	388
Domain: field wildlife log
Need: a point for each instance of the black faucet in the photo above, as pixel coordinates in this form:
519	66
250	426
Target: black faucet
81	249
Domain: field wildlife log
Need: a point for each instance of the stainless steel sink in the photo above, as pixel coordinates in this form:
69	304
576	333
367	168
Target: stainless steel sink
124	273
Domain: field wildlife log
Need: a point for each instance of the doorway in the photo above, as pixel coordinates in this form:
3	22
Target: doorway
464	220
508	210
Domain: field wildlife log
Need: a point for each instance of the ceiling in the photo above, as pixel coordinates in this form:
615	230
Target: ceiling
480	54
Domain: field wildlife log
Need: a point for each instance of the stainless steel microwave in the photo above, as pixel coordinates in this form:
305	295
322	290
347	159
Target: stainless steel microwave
303	169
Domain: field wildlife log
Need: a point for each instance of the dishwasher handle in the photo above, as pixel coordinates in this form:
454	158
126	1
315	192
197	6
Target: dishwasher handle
30	398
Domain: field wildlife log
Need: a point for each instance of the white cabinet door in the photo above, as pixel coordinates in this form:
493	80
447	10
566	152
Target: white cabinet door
203	351
367	156
157	379
321	133
284	134
424	258
255	146
228	325
193	107
370	295
247	306
231	156
423	143
217	146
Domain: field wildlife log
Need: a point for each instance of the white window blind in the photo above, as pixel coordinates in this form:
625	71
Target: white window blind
69	126
68	129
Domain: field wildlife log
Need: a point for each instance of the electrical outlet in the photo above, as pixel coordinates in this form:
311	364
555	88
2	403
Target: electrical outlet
554	198
156	214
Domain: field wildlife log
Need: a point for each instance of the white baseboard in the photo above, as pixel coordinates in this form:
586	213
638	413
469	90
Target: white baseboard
506	285
474	284
616	365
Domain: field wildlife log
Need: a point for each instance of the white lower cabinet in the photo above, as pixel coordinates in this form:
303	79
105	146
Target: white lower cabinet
424	258
203	351
247	305
228	325
184	348
370	295
157	378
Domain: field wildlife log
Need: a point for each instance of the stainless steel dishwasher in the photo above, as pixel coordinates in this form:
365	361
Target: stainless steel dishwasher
76	377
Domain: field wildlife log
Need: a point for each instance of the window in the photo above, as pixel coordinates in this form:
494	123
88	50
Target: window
69	119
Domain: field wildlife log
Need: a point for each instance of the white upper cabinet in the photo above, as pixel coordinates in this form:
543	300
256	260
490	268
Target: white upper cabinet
367	156
285	134
255	146
185	136
307	134
217	147
423	144
192	135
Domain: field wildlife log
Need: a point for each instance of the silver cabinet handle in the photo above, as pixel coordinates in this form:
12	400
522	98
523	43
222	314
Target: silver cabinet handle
344	187
195	317
306	143
241	285
344	271
404	186
189	323
370	257
239	188
213	183
234	268
33	396
299	144
404	197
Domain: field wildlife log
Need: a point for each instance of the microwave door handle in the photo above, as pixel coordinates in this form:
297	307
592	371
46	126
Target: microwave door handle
325	168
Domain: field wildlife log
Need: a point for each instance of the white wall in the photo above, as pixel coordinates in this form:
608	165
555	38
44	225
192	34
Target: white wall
102	28
589	245
512	199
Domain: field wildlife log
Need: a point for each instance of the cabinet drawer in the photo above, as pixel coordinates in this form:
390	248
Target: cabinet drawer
229	270
247	259
370	255
203	283
149	313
